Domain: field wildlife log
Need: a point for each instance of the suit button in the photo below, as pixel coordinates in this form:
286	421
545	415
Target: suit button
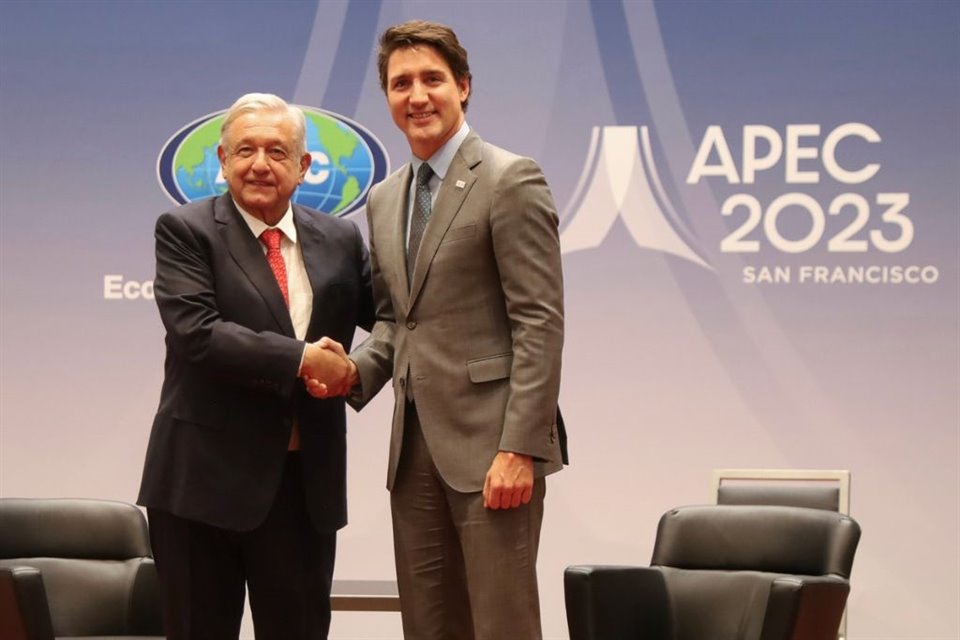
403	381
412	325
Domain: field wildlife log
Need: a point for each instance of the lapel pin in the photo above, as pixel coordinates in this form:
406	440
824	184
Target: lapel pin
461	184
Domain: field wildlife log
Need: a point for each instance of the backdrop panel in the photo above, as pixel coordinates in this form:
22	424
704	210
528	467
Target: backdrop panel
759	217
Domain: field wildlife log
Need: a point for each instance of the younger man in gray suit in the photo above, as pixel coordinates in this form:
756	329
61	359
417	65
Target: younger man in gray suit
465	257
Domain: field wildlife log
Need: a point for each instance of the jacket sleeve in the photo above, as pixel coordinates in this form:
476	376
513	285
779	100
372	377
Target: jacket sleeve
526	245
186	293
374	356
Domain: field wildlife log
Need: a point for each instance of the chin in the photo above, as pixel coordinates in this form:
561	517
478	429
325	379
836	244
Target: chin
258	205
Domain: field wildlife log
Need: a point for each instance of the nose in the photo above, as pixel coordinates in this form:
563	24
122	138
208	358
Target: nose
418	93
260	160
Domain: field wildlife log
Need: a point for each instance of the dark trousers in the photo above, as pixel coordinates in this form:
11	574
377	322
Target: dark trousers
286	564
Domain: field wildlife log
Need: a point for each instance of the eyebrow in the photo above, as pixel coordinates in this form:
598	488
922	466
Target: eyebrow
272	142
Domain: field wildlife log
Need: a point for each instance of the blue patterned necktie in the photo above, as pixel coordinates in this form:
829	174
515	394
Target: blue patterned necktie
420	217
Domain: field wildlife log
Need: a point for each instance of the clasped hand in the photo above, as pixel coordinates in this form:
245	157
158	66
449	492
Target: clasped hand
326	370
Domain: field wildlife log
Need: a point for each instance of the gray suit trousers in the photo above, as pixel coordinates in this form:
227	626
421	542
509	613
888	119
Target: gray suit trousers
464	572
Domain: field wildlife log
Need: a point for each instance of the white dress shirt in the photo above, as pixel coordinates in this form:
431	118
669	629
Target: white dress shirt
298	284
440	163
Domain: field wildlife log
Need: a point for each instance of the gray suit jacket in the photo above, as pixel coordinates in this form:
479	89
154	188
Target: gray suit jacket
479	330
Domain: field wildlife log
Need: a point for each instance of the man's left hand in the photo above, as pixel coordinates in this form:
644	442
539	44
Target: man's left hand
509	482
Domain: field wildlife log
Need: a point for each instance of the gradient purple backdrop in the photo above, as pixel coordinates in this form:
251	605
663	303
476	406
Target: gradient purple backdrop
671	370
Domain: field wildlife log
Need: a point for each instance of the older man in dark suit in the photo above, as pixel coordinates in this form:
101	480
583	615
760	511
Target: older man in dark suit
244	479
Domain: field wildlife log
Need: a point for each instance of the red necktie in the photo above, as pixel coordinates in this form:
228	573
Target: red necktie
271	239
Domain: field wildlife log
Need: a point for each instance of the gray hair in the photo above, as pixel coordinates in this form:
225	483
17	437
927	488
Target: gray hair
258	102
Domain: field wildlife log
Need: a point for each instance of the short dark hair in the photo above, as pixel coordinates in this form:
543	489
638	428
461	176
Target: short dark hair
423	32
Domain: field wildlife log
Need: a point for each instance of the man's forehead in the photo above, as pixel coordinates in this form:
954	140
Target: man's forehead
402	61
261	133
262	119
260	126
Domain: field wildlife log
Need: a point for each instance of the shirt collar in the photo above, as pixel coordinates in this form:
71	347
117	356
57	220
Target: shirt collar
257	226
441	160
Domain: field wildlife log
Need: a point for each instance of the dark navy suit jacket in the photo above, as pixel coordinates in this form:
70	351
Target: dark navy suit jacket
230	391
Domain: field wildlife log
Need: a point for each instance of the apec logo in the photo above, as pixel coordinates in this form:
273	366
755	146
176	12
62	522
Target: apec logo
620	181
347	161
842	233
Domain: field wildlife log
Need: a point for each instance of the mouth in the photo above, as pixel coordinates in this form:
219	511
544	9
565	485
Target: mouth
259	183
421	116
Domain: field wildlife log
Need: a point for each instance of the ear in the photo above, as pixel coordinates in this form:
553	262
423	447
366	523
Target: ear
222	155
305	161
463	88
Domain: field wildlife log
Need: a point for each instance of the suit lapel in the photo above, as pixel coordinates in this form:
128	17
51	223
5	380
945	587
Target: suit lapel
453	192
248	254
311	239
397	233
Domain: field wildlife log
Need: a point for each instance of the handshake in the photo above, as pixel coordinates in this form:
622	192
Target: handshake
326	371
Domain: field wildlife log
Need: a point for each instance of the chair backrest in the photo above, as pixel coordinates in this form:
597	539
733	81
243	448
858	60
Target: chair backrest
72	528
95	561
813	488
775	539
723	565
827	489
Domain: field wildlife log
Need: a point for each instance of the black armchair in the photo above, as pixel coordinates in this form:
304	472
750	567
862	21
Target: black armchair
723	573
76	568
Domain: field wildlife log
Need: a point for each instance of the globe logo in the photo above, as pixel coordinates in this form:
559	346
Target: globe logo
347	161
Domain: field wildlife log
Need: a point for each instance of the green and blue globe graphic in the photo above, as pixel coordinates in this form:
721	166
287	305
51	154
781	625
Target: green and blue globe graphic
347	161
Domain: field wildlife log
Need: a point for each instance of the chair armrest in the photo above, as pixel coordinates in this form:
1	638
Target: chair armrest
808	607
616	603
24	611
146	614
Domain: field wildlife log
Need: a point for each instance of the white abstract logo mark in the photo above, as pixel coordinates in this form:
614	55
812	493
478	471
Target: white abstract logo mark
620	179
